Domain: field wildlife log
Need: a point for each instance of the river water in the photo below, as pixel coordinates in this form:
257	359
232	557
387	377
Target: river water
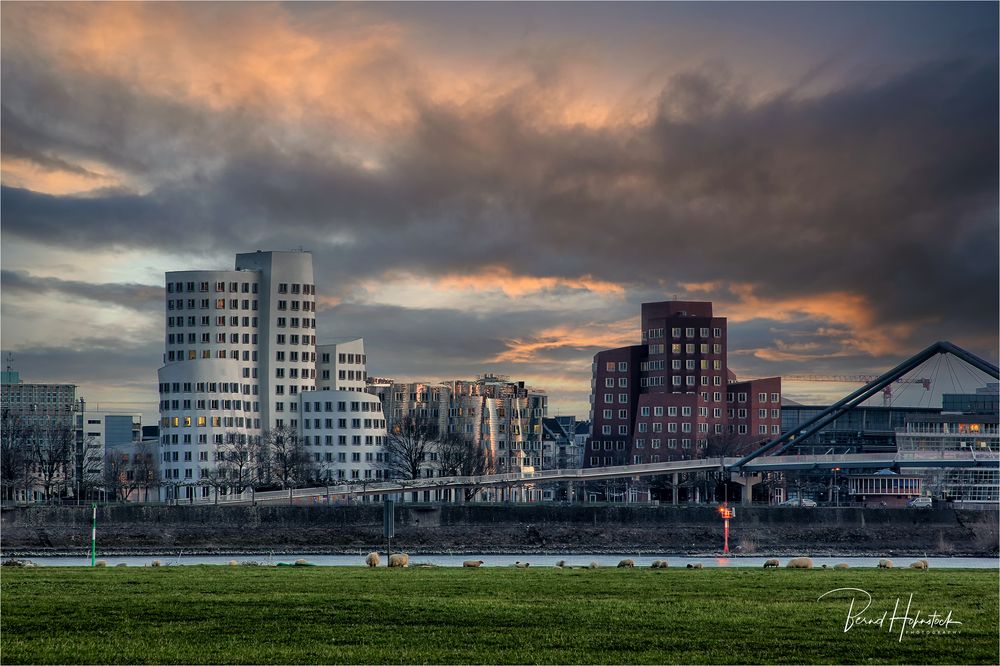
604	560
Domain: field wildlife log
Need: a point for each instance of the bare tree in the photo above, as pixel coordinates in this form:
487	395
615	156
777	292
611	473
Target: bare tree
289	460
89	469
144	468
15	454
53	450
460	456
407	446
236	462
116	481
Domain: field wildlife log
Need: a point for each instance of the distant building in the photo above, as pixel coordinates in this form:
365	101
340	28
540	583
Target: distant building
342	366
240	345
883	488
976	432
39	428
864	429
343	426
671	397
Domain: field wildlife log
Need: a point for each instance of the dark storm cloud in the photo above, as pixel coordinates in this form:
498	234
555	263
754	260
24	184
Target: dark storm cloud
884	187
133	296
438	343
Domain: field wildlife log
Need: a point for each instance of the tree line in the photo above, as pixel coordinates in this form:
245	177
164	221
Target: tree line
50	460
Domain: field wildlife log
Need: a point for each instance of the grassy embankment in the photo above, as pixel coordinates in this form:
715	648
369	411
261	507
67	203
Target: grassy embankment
333	614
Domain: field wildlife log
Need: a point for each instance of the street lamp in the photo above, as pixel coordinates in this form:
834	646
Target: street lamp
836	488
726	514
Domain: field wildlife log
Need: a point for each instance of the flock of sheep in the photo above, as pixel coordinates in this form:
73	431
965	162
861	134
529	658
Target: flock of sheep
403	560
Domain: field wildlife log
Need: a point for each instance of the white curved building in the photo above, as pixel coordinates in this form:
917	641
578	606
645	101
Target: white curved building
344	435
240	346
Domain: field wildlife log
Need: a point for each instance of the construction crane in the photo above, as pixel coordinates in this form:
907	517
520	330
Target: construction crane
861	379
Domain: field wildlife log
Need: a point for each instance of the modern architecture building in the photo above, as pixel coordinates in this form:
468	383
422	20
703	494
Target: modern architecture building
343	428
672	397
240	346
502	418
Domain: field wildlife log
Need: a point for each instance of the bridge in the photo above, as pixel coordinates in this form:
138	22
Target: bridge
774	456
924	459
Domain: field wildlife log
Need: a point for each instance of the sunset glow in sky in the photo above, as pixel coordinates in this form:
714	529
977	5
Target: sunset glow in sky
497	187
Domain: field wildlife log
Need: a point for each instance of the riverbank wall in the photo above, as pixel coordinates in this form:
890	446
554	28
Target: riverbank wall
495	528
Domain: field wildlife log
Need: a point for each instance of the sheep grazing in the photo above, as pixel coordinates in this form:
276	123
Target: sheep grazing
626	564
823	567
885	564
522	565
399	560
472	564
373	559
156	563
121	564
560	564
919	564
800	563
101	563
659	564
772	563
595	565
841	566
696	565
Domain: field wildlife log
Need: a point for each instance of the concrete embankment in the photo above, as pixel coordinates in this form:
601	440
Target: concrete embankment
513	529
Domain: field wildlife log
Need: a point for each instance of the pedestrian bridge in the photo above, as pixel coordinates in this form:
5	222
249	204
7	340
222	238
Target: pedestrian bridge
859	461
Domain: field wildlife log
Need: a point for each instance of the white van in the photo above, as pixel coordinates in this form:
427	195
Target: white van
920	503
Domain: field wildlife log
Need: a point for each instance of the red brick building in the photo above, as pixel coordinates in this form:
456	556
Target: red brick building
671	397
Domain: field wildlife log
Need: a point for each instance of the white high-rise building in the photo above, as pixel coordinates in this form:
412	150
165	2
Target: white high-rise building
343	427
240	346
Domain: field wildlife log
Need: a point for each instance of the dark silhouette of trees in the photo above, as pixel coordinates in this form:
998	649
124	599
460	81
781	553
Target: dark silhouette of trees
407	447
460	456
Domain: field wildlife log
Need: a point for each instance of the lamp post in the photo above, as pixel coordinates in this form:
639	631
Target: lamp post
836	488
726	514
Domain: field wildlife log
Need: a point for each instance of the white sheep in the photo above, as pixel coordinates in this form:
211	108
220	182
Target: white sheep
841	566
885	564
472	564
772	564
626	564
399	560
800	563
696	565
373	559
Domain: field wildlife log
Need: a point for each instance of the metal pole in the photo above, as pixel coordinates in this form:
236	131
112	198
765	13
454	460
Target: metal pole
93	538
725	547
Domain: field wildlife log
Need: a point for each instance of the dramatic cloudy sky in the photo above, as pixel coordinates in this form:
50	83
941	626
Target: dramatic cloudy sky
497	187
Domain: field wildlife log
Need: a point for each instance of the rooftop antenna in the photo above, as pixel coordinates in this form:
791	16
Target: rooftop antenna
10	362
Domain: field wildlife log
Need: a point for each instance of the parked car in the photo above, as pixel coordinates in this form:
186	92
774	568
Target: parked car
808	503
921	503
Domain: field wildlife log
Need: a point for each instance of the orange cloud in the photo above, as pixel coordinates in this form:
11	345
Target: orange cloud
501	278
589	336
56	180
856	328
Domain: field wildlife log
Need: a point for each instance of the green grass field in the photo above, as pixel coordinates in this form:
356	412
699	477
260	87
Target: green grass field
346	615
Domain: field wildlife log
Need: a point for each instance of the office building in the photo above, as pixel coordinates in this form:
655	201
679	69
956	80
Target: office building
240	346
672	397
